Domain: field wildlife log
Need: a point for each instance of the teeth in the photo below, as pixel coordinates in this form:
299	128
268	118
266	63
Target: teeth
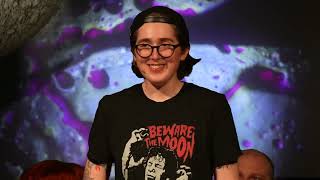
156	65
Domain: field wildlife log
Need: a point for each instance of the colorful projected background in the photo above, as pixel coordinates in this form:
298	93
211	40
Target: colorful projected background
83	54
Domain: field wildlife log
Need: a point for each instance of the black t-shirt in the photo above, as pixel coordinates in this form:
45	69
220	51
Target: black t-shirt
184	137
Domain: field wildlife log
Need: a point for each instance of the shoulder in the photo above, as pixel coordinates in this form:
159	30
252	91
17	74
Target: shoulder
125	94
204	93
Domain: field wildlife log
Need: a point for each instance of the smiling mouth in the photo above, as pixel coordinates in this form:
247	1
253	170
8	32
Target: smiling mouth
156	67
149	177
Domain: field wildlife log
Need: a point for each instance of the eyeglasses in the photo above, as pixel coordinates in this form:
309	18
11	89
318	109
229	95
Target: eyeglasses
164	50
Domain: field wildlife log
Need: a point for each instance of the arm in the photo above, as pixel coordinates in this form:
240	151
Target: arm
226	148
95	172
229	172
127	158
99	153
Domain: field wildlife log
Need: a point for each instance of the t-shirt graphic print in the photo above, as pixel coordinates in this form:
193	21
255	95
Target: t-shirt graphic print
159	152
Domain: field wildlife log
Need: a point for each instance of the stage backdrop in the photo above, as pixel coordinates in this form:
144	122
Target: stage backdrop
83	54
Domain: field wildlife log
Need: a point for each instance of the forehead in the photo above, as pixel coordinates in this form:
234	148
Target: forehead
155	32
157	158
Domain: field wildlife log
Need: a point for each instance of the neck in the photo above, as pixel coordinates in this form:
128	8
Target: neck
160	93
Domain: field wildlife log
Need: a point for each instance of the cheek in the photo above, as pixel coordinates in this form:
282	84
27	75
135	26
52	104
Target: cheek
139	64
176	63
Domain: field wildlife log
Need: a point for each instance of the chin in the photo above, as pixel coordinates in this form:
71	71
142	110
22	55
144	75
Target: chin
156	79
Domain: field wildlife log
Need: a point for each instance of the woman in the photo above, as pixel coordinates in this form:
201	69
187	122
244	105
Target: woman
163	128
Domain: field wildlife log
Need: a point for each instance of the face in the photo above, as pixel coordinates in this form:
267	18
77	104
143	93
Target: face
155	68
254	167
155	168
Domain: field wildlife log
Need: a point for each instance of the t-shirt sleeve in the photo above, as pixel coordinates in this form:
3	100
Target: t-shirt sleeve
99	149
226	148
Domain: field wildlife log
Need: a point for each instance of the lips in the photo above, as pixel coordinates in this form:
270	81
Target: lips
149	177
156	67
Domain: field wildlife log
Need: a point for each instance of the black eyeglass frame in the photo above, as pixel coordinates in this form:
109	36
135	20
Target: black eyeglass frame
157	47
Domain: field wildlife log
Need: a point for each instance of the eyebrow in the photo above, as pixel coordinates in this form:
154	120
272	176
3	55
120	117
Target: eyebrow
160	40
158	165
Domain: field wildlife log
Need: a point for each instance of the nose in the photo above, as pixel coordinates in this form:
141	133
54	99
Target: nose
155	54
152	168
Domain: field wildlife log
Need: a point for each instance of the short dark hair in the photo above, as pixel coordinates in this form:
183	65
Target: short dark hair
165	15
171	161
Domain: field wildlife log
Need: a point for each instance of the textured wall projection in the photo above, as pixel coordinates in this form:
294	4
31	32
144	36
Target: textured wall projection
20	20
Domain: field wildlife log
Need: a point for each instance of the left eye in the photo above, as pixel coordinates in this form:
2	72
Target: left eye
166	46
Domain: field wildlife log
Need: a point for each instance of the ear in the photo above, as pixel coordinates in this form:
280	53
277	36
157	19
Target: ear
184	54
